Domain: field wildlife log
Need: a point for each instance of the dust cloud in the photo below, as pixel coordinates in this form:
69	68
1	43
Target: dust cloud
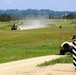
33	23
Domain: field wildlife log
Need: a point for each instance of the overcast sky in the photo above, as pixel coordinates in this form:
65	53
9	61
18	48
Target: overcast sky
57	5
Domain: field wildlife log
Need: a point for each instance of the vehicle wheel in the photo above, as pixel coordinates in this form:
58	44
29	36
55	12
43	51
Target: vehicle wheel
66	47
62	52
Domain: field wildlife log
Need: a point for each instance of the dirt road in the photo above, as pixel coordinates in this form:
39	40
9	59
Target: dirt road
29	67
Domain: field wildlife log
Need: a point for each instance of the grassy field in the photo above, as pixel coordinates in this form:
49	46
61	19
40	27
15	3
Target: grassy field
22	44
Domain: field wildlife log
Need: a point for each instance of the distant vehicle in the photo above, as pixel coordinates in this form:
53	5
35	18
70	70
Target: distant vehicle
14	27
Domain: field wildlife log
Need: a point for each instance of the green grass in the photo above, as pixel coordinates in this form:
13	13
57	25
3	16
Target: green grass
67	59
22	44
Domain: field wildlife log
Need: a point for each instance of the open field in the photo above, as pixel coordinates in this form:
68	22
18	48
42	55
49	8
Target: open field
21	44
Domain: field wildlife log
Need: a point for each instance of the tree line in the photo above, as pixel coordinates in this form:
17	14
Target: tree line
70	16
7	17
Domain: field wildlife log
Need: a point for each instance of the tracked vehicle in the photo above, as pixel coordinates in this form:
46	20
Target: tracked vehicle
14	27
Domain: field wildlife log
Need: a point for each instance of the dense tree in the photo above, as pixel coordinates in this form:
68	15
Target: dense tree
5	17
70	16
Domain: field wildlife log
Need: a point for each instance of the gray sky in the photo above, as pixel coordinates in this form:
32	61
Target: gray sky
57	5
